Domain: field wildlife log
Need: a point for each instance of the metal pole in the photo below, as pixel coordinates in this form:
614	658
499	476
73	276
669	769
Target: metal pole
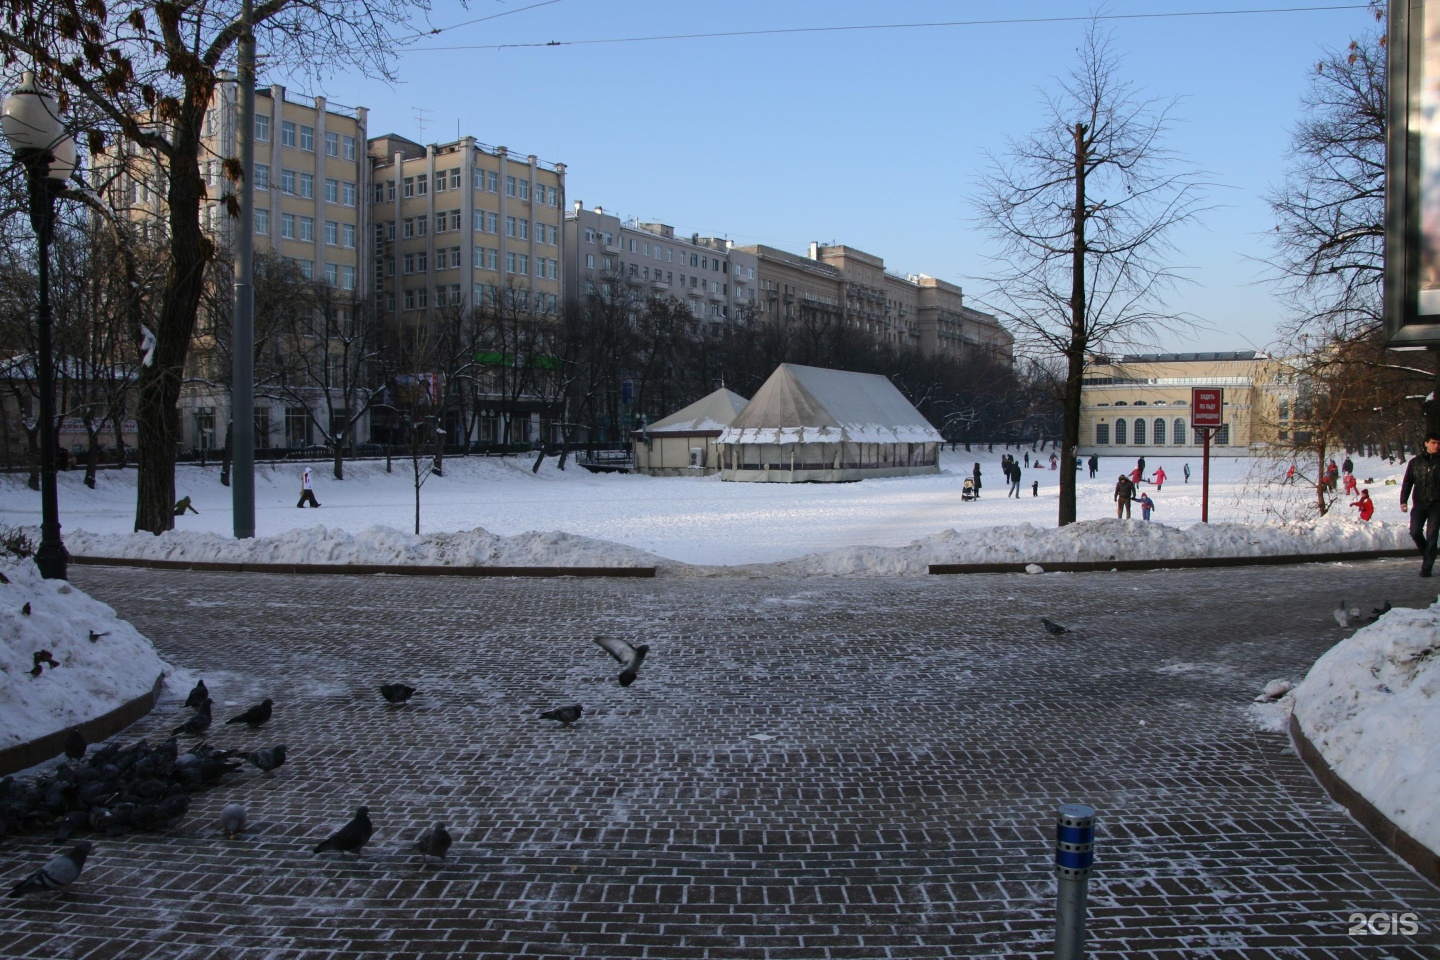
1074	856
242	370
50	557
1205	479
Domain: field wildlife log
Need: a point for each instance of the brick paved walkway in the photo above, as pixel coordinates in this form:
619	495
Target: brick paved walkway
925	732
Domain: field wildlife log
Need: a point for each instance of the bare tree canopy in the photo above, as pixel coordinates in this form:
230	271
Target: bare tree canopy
1083	211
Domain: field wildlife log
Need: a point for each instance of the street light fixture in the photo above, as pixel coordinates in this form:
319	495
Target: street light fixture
32	125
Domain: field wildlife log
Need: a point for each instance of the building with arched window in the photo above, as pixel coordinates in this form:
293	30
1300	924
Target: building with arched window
1140	404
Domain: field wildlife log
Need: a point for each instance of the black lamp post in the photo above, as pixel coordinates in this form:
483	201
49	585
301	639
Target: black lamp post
32	124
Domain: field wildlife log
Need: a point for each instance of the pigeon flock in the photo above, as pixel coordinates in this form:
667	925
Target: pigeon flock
118	789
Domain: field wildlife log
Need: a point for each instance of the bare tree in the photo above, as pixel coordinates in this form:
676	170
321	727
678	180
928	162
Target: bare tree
1083	211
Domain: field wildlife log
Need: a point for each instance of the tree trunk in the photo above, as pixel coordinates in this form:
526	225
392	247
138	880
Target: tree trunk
92	457
228	453
1075	355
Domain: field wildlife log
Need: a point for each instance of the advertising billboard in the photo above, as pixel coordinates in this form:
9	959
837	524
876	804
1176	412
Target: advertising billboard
1412	175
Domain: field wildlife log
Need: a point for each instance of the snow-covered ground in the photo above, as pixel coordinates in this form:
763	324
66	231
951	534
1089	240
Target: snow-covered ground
1368	705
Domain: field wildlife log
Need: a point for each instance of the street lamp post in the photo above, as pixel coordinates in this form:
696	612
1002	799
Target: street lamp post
31	122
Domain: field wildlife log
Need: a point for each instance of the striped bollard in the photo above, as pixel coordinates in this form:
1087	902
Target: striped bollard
1074	855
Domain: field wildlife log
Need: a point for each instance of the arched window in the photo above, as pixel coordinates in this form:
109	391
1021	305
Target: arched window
1121	403
1179	437
1159	435
1139	432
1222	436
1120	430
1102	433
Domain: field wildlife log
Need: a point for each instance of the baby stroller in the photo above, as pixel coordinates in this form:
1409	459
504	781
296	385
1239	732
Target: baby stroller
967	492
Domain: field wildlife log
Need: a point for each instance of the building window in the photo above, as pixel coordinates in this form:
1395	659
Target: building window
454	219
307	268
297	426
307	138
332	274
590	261
509	263
509	186
524	189
347	278
262	222
262	176
347	147
1139	432
1120	431
307	185
332	233
440	221
332	144
347	236
287	182
332	190
409	190
589	235
522	264
307	229
510	226
1222	436
1102	433
1159	435
287	226
455	179
492	222
422	184
287	133
1178	439
262	128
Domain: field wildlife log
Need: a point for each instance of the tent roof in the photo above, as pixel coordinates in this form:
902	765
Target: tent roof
813	405
711	413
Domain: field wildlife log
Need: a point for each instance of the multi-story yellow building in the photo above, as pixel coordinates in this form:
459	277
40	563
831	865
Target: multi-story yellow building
464	225
1140	403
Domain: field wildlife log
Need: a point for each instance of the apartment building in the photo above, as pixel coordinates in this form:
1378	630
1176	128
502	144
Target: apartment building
462	225
709	275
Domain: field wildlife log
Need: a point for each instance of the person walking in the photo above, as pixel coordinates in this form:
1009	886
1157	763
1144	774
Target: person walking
1027	459
307	490
1366	505
1124	493
976	476
1054	463
1014	480
1141	464
1349	484
1422	488
1290	474
182	505
1186	470
1094	465
1159	478
1349	465
1146	505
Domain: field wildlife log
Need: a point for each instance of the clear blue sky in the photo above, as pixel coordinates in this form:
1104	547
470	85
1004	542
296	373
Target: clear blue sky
870	138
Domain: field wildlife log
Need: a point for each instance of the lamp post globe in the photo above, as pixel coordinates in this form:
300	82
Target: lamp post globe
31	123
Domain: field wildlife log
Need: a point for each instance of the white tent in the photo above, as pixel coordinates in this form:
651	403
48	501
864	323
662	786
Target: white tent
683	444
807	424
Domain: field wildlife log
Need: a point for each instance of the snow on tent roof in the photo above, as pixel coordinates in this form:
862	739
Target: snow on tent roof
713	412
813	405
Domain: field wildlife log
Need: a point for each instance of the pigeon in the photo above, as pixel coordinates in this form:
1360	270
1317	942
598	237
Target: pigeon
1054	628
58	874
198	723
95	637
1274	690
1377	612
25	609
75	745
351	837
198	695
256	715
566	715
396	693
45	657
434	842
232	819
629	655
69	823
1342	614
267	759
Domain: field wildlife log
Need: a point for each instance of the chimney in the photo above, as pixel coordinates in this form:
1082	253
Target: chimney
579	205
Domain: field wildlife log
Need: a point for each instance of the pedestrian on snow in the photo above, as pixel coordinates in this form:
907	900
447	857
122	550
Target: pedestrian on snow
1290	474
1034	488
1159	478
1350	484
1124	493
1141	464
1136	477
1054	464
1094	465
1349	465
1187	473
1366	505
976	476
1027	459
1332	475
307	491
1146	505
1422	488
182	505
1014	481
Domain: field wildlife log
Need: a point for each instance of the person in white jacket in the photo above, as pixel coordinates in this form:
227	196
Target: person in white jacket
307	491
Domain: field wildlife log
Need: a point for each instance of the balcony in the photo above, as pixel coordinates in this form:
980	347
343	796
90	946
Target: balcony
695	292
659	286
717	296
741	278
612	246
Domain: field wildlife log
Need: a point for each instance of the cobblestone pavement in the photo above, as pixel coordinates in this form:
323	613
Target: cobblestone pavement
925	731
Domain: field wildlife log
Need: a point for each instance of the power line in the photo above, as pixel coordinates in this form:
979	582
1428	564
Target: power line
493	16
891	26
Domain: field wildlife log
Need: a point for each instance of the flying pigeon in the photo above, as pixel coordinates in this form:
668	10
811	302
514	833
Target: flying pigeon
198	723
232	819
198	695
629	655
95	637
58	874
1054	628
396	693
351	837
256	715
434	842
267	759
75	745
566	715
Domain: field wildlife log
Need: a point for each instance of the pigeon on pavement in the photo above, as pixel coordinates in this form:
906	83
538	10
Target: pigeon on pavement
396	693
630	656
1274	690
434	842
1377	612
351	837
1342	614
256	715
1054	628
232	819
198	723
267	759
198	695
58	874
566	715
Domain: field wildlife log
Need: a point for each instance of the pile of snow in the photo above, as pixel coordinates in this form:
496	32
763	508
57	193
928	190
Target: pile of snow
90	677
1371	706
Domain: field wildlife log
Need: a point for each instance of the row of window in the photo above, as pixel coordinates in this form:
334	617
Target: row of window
301	184
1156	430
486	181
418	298
302	137
293	227
665	254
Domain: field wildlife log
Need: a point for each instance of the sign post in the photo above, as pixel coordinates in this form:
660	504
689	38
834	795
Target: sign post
1207	414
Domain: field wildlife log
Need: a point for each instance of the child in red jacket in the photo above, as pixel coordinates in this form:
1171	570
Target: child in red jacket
1366	505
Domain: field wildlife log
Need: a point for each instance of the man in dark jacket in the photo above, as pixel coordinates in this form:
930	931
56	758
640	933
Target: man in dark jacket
1124	493
1422	489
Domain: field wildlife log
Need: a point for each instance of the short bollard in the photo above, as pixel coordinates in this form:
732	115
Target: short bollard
1074	854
